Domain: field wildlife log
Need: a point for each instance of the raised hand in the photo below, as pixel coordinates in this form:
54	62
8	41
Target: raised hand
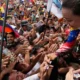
21	49
43	71
50	57
69	75
5	62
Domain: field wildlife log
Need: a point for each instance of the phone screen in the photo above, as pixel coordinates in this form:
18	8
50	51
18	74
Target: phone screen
77	75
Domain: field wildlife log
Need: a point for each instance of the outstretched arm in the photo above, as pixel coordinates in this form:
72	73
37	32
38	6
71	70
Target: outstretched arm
69	43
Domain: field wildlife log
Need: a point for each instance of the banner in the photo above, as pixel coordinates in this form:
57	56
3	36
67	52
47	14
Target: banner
54	6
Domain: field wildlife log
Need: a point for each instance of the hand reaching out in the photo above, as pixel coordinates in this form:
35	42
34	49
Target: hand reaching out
44	70
53	48
50	57
5	62
69	75
10	67
21	49
77	71
41	35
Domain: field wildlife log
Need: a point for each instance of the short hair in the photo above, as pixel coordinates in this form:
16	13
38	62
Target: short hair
43	28
34	49
74	5
12	33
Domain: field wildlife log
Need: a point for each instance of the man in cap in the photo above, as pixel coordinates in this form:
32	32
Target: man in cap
25	27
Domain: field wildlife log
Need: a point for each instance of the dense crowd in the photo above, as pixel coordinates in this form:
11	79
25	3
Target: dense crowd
29	55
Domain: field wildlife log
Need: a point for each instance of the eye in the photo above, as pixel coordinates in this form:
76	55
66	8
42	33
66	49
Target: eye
69	20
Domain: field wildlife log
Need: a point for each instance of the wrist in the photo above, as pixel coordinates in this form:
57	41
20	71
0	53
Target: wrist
4	72
42	78
2	75
16	52
39	75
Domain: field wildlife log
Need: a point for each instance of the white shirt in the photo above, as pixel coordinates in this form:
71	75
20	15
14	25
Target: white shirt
33	77
35	68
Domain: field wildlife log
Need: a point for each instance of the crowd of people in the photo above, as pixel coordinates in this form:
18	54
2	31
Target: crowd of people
31	55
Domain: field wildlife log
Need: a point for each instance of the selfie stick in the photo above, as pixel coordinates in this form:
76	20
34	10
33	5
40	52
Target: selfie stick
3	30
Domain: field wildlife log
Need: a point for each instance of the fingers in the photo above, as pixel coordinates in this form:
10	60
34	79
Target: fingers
5	62
45	66
12	64
32	58
77	71
42	35
50	57
69	75
63	34
71	70
47	59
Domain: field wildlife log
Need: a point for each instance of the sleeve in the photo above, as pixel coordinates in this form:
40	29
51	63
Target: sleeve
69	43
33	77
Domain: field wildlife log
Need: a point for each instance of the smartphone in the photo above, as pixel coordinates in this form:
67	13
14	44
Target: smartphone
9	53
21	57
77	75
60	39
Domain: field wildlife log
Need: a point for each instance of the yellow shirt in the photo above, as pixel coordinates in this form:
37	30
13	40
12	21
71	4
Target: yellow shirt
2	9
1	18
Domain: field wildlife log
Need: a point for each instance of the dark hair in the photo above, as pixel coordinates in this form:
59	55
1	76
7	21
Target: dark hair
44	18
53	28
74	5
43	28
12	33
34	50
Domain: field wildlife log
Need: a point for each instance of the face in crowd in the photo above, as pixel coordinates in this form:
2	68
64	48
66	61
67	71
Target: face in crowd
10	38
71	12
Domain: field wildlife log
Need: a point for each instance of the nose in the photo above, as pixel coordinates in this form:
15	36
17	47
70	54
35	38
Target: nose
9	38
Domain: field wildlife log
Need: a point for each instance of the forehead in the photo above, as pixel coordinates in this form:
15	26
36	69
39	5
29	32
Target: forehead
68	14
10	35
